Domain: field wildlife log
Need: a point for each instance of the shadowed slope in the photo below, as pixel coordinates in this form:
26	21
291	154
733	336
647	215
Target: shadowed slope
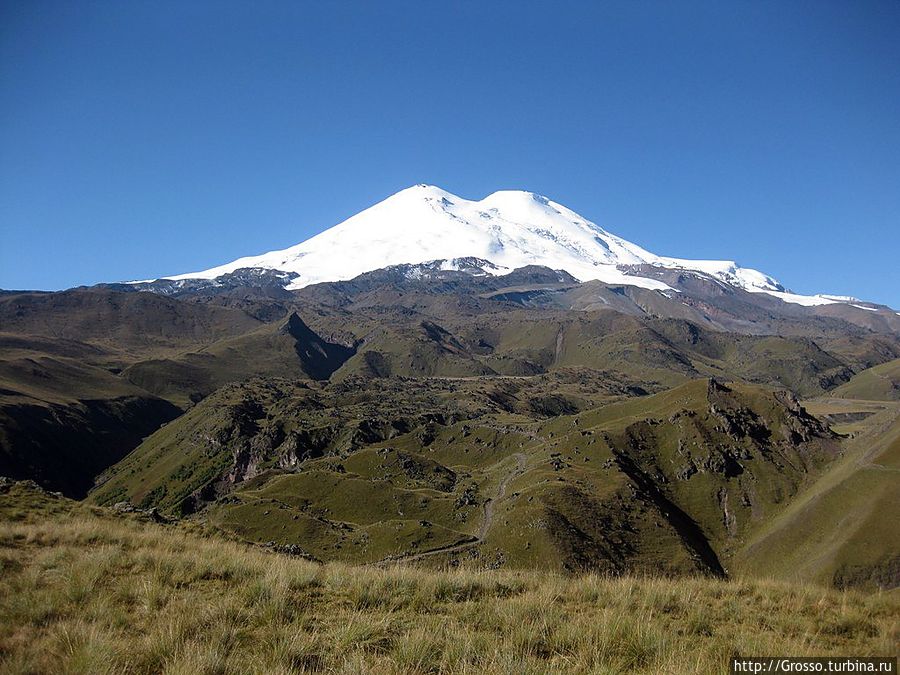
289	349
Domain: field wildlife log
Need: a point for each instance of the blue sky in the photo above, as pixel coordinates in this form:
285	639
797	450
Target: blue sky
139	139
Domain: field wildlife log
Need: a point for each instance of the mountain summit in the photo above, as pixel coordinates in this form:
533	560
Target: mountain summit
504	231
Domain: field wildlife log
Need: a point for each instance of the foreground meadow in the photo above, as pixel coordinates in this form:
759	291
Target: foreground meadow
83	590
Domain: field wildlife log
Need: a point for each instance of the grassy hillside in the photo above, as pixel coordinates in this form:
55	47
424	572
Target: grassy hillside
66	414
84	590
844	528
130	324
879	383
506	472
63	420
653	353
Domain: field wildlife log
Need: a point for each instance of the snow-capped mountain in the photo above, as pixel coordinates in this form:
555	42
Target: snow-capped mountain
510	229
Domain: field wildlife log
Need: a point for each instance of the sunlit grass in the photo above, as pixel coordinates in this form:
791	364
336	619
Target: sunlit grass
96	594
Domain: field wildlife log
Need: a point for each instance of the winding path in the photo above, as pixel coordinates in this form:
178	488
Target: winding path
486	522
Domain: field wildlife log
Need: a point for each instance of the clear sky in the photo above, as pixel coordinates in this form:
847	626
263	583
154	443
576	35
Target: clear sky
139	139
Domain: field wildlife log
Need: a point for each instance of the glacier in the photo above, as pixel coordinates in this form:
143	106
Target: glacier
509	228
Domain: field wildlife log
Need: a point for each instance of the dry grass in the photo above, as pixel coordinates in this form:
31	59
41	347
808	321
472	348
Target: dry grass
86	592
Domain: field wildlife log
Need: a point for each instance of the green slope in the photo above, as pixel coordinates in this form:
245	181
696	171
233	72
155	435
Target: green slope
844	529
879	383
442	471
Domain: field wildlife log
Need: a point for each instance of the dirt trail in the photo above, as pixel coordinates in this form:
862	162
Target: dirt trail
486	522
501	493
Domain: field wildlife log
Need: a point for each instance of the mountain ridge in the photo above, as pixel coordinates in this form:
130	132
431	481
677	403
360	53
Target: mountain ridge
508	229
